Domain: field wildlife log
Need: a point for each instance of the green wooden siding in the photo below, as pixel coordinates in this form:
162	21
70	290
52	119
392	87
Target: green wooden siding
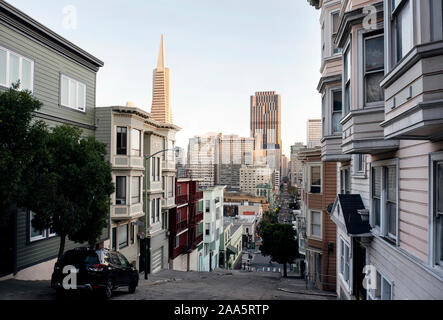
48	65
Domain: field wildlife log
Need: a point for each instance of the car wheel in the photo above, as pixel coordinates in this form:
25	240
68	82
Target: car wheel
132	286
107	293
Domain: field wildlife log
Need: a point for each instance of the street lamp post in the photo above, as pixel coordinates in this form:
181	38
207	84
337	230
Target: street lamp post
147	239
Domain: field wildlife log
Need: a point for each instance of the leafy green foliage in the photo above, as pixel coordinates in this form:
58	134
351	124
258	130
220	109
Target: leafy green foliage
68	186
279	242
19	140
293	191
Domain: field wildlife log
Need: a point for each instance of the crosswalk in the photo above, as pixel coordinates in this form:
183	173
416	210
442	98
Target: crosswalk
264	269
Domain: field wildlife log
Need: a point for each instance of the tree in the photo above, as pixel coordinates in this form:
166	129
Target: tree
68	186
267	218
279	242
293	191
20	138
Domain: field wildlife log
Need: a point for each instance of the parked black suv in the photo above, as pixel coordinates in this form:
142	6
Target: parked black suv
100	270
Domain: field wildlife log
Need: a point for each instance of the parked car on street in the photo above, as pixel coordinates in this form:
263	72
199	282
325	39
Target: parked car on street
100	271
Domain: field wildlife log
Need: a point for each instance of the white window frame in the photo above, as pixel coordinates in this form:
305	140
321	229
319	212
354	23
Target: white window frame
20	75
321	223
370	293
139	189
77	84
332	34
126	191
393	14
331	110
347	50
356	173
348	260
383	230
138	151
434	247
309	166
345	184
127	236
46	233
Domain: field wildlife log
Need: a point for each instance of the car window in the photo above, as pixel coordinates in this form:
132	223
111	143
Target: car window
123	260
114	259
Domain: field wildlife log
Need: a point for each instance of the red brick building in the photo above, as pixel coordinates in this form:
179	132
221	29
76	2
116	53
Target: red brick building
186	231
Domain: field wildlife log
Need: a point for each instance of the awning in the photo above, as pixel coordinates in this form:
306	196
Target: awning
232	249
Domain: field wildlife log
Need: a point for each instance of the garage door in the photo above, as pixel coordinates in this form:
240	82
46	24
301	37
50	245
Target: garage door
157	260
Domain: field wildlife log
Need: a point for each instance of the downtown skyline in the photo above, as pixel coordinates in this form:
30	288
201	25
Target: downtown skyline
241	49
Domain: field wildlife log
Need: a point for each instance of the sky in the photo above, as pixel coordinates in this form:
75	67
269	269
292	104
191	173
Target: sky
219	53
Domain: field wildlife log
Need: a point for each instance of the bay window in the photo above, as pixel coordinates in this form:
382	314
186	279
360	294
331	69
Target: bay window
122	138
135	142
153	202
135	190
373	68
336	111
15	67
347	81
157	210
72	93
335	21
323	117
345	181
402	28
120	190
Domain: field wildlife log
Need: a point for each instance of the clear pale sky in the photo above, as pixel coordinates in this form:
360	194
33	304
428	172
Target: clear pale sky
219	51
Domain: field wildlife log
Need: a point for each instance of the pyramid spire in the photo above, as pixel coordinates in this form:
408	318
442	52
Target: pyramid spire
161	55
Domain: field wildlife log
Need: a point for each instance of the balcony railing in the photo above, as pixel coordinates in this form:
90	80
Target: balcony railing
198	239
182	199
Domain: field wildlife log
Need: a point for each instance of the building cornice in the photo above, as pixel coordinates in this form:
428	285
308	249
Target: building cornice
351	18
328	80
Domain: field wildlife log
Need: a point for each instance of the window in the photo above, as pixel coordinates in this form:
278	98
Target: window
316	224
155	168
121	140
72	94
347	81
207	229
359	163
335	17
437	209
401	24
207	205
376	195
322	40
345	181
114	239
323	115
135	190
35	234
345	258
373	68
315	179
13	68
135	142
157	210
122	234
383	290
336	111
384	198
152	211
176	241
132	232
120	190
170	187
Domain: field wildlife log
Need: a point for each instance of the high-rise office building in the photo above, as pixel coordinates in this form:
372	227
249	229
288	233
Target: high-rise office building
161	110
234	151
202	158
265	125
296	165
313	135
